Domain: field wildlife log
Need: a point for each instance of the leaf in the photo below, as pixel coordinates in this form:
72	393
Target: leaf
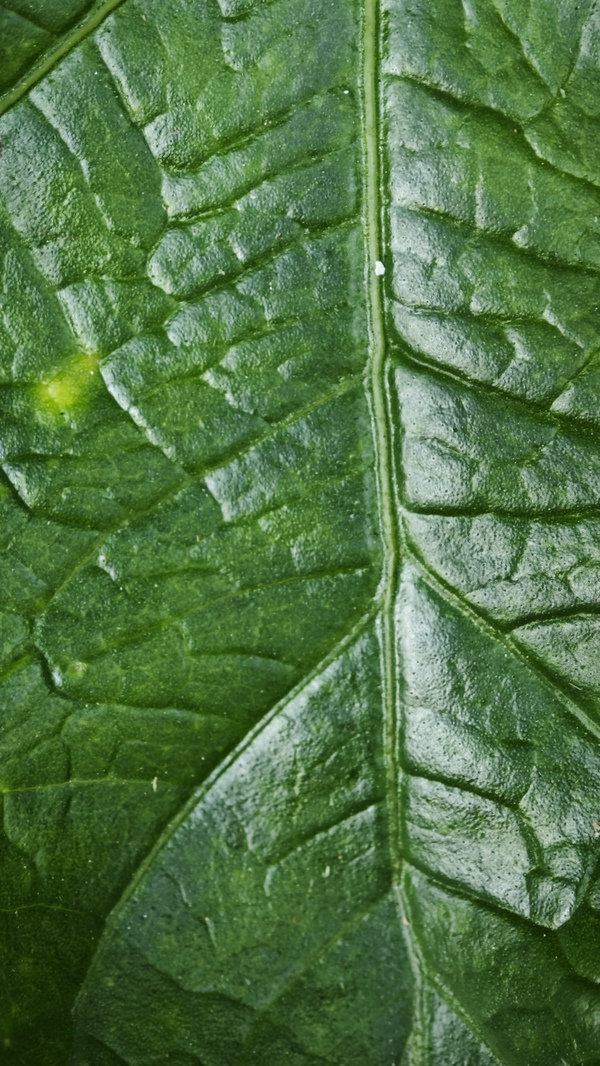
299	551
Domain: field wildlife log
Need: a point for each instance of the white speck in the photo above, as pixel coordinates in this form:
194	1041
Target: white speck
562	92
154	784
346	92
211	931
521	236
379	268
327	871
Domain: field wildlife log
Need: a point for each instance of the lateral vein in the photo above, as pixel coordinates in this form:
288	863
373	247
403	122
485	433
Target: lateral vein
48	61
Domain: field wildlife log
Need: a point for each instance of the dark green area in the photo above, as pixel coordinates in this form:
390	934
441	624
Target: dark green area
239	826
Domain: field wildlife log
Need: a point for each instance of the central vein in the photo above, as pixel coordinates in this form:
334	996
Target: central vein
380	413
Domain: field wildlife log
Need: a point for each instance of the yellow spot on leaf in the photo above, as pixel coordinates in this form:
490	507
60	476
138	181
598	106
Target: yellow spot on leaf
72	387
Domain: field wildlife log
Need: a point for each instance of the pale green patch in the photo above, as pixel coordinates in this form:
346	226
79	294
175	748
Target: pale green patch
72	388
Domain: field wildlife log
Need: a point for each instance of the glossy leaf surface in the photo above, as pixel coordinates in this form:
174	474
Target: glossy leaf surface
300	543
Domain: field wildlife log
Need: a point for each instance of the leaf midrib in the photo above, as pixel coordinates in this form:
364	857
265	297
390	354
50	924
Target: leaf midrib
380	414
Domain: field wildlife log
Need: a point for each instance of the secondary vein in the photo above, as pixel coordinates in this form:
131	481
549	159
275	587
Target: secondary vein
45	65
380	415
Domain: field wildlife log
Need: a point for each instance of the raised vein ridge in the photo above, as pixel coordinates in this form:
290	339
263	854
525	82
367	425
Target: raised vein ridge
379	409
51	58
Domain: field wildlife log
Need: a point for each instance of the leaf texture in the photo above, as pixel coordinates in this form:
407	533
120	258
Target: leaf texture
300	558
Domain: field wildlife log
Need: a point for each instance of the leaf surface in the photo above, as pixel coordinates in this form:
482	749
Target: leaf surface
299	551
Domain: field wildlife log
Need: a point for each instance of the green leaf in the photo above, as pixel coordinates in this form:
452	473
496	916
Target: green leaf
300	540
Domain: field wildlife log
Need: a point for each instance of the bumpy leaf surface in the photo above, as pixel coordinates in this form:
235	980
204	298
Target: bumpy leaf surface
300	538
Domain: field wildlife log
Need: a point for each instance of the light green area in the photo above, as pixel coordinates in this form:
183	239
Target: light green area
71	388
299	533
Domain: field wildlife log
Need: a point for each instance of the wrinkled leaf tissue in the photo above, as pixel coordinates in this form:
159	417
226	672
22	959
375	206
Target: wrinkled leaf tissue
300	534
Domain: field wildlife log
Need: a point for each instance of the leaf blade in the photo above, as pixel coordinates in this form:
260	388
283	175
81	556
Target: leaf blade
208	486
